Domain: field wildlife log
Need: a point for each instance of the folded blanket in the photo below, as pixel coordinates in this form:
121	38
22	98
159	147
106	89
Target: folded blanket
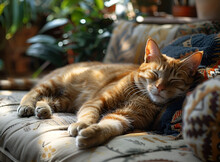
169	121
186	45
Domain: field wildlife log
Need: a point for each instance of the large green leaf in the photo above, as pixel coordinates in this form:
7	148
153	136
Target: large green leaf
54	24
16	16
29	12
42	39
12	18
69	3
77	15
47	52
33	9
2	6
99	4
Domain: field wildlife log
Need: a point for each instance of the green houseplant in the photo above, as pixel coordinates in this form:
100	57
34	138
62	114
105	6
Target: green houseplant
76	31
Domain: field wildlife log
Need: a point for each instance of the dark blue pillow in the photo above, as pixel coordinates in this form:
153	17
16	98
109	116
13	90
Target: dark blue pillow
186	45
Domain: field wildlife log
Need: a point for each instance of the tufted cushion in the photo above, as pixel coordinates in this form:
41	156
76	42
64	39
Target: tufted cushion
129	39
201	128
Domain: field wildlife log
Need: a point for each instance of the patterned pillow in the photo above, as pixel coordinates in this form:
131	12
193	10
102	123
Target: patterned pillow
129	38
201	128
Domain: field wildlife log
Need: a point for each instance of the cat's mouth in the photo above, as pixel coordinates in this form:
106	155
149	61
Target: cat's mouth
158	98
158	95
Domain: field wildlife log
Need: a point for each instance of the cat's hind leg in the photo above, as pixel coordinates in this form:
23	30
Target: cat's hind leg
43	110
47	105
27	105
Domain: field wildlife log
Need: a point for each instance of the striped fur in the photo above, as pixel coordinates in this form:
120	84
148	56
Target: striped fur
111	99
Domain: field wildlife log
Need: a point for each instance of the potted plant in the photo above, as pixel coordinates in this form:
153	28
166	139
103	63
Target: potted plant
76	31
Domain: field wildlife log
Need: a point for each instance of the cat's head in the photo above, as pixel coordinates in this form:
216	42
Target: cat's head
165	78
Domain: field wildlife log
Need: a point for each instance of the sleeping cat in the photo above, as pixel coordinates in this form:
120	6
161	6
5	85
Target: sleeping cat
111	99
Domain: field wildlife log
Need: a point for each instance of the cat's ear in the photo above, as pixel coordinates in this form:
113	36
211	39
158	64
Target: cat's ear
193	61
152	51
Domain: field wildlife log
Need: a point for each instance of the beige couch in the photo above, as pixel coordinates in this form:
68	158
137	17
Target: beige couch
32	139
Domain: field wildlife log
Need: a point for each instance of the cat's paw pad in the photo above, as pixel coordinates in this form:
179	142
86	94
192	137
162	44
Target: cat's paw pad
43	112
25	111
90	137
90	131
82	142
74	128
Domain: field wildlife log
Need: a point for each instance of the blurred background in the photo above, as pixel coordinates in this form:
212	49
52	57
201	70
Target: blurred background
39	35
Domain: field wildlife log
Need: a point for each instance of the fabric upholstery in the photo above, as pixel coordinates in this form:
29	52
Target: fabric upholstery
32	139
201	118
129	39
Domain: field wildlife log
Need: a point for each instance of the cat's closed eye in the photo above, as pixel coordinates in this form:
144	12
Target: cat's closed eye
177	83
152	75
172	81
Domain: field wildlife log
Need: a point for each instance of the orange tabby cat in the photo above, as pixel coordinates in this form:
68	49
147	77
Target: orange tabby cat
111	99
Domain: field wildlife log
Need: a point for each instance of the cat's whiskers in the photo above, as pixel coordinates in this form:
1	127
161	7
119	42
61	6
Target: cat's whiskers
131	86
133	90
128	88
135	93
141	91
144	93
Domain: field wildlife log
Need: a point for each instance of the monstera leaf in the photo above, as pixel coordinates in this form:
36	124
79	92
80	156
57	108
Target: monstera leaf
42	39
47	52
54	24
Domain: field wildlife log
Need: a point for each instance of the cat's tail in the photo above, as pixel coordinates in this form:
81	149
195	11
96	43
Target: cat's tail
17	84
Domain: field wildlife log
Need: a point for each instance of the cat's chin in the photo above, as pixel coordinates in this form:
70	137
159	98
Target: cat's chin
157	99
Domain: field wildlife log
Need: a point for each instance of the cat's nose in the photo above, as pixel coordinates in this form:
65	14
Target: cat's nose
160	87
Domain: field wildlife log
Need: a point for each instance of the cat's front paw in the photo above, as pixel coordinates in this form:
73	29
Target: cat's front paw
25	111
90	137
74	128
43	112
